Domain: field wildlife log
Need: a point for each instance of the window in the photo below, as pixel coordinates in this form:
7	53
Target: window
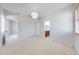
47	25
77	20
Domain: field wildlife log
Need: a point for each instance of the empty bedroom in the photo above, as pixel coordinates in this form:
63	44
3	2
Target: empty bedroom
39	29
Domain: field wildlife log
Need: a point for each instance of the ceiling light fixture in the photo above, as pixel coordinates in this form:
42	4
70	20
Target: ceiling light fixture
34	15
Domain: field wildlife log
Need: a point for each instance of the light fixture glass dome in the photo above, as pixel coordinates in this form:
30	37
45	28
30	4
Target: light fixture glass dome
34	15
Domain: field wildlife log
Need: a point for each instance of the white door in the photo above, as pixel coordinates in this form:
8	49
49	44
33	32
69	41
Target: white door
7	29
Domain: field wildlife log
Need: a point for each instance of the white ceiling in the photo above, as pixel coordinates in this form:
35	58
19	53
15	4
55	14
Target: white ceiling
26	8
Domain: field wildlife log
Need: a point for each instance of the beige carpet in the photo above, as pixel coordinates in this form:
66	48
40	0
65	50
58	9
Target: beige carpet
35	46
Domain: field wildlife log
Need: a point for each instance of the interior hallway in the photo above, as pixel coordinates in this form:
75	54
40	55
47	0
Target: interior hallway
36	45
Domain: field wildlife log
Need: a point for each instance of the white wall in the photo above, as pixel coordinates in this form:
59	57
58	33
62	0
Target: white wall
26	28
61	25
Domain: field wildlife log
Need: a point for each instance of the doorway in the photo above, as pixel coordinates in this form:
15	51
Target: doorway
11	29
47	28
